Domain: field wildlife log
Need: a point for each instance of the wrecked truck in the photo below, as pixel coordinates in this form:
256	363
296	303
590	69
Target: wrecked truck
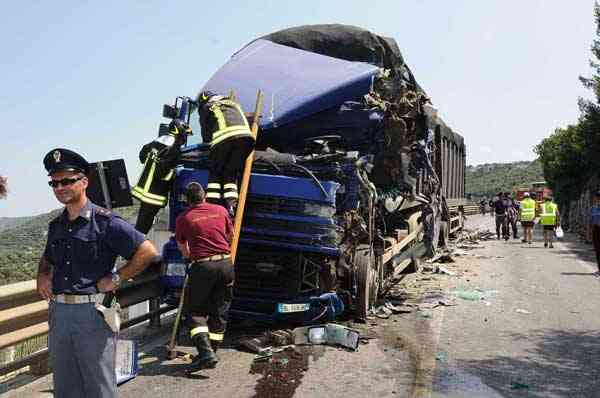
355	178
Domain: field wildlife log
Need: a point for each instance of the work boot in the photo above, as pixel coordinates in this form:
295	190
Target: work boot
551	245
214	344
524	240
545	244
206	358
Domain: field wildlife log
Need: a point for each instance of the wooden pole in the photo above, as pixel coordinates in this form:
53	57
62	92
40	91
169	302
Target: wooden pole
239	213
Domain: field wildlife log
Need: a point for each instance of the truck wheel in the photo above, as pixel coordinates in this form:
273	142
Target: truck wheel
368	279
444	234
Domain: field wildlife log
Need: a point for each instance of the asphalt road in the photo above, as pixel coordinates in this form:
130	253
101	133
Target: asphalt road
532	333
537	332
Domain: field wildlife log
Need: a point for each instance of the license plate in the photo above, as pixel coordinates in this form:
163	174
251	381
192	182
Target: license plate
286	308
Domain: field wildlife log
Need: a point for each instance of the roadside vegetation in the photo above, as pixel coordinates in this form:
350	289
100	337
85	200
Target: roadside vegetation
22	243
486	180
569	156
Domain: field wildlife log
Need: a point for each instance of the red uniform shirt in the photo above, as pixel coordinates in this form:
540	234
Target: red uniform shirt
206	228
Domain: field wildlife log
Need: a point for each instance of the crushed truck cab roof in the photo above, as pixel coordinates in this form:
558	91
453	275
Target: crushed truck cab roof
296	83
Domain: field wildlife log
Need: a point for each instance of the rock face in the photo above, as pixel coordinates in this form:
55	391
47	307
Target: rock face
576	214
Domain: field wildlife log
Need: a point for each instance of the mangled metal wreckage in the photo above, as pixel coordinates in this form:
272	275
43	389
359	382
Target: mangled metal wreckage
352	177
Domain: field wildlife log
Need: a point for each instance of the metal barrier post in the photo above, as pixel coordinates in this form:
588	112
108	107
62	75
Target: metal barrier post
154	305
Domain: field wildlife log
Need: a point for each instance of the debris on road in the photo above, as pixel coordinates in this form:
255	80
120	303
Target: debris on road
519	386
445	271
472	295
330	334
522	311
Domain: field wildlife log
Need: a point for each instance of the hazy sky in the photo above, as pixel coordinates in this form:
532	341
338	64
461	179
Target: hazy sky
92	76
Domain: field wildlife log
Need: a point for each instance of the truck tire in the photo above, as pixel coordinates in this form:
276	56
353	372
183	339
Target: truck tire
367	278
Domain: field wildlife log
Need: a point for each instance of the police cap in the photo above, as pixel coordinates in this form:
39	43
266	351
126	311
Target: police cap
64	159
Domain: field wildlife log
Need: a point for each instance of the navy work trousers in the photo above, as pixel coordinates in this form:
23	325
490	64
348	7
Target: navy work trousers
82	352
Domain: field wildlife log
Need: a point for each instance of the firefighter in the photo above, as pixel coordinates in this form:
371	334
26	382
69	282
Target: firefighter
203	233
550	219
527	215
159	158
225	127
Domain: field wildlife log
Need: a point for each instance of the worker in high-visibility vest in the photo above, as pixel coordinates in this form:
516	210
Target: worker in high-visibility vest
550	219
527	216
159	158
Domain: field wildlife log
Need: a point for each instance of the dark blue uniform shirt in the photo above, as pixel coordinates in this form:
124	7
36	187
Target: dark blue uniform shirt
85	249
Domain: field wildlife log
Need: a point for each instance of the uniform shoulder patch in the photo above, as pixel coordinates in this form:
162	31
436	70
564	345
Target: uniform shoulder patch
103	212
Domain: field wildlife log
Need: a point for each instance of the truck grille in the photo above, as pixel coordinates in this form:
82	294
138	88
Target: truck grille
267	273
288	206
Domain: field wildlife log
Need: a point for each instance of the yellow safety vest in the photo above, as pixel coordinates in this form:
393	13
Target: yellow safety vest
528	210
548	214
148	182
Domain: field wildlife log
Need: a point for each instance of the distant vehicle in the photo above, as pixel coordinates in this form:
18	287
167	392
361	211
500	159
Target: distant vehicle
539	189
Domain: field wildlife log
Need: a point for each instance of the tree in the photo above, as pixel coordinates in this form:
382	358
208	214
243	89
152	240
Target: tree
3	187
562	159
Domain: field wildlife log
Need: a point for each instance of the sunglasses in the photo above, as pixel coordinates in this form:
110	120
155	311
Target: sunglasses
64	182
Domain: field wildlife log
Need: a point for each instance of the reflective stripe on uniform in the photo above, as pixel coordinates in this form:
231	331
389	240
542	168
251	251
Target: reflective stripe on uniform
168	176
197	330
229	132
216	110
151	158
230	194
213	185
147	197
213	195
216	336
230	186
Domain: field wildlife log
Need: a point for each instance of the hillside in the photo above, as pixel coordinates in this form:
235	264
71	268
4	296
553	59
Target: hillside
11	222
22	243
488	179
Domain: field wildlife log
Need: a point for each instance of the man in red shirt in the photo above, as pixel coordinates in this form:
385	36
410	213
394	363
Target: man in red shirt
203	233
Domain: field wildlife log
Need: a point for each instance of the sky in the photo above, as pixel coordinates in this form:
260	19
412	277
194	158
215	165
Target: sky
92	76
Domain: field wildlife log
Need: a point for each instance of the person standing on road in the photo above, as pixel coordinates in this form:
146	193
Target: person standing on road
203	233
595	226
500	206
550	219
512	215
527	216
77	268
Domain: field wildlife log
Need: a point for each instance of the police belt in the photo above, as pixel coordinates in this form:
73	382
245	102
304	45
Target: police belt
216	257
79	298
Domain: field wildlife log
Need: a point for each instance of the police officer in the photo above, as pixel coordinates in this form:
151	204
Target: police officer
203	233
75	272
225	127
550	219
159	158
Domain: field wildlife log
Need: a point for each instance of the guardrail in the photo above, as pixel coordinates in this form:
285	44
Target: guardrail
23	316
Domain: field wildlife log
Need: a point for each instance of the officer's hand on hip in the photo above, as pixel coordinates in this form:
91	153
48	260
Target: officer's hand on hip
44	285
106	284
